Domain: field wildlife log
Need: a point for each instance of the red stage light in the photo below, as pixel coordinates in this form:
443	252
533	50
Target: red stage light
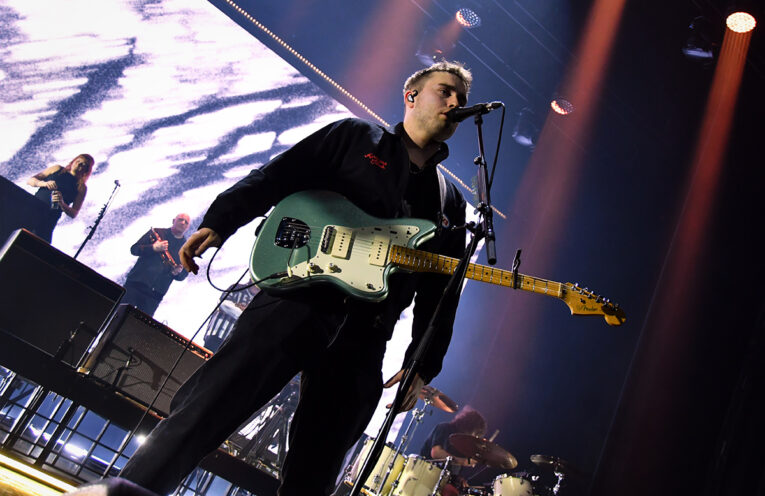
562	106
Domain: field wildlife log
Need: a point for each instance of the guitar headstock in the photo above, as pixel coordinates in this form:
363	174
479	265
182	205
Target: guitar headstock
582	301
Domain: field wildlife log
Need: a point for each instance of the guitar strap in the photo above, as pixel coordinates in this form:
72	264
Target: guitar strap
444	222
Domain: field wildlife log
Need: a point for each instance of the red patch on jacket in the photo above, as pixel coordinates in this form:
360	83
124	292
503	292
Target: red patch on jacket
376	161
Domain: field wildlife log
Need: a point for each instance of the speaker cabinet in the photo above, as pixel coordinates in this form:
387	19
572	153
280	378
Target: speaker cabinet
135	353
45	295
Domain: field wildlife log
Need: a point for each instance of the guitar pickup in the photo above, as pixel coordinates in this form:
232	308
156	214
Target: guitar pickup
340	245
378	254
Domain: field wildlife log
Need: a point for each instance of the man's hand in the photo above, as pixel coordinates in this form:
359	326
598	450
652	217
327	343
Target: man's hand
196	245
414	390
159	246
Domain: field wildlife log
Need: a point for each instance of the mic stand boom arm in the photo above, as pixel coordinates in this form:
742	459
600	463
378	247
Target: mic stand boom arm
455	285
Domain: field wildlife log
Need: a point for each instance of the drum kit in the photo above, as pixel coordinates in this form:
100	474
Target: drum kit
395	474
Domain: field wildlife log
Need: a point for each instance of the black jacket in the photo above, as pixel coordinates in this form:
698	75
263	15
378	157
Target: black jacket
370	166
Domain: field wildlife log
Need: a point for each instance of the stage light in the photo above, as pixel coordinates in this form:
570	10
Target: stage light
468	18
740	22
699	44
526	131
562	106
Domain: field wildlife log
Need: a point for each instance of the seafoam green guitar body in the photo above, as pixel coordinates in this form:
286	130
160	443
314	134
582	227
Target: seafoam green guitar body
316	237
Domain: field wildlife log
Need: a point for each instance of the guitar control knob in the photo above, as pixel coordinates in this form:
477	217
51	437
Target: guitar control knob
315	268
333	268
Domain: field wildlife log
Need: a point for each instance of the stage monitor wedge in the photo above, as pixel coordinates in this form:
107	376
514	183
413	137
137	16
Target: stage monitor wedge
45	295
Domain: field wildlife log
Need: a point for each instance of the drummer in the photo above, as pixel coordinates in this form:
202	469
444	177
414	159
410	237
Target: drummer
467	421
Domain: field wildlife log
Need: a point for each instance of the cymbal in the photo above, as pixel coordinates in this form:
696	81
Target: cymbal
483	450
556	463
438	399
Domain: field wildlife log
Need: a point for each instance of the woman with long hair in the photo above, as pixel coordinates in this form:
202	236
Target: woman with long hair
64	189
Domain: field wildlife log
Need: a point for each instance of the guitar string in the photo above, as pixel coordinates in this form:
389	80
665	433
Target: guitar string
364	246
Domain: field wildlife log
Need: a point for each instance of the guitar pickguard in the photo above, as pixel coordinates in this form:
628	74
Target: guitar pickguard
356	256
320	237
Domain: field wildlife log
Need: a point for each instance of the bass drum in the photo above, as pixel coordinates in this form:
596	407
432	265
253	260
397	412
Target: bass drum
507	485
377	484
420	478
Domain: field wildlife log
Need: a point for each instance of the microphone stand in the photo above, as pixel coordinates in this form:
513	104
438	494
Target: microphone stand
98	218
453	288
485	229
484	199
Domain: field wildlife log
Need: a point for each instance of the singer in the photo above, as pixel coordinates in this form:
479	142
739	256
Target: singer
64	189
157	266
338	343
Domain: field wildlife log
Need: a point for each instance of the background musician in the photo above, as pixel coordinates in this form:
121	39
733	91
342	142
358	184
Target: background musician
63	189
157	265
467	421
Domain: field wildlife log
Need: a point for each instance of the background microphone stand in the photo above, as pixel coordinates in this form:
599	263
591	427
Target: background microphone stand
98	218
485	228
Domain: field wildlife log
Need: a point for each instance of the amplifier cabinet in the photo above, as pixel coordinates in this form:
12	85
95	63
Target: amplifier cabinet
134	355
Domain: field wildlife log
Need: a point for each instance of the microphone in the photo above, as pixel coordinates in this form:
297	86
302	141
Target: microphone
459	114
117	182
53	202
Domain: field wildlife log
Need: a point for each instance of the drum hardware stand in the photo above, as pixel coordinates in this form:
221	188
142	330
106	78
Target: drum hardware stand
416	420
403	444
444	471
560	475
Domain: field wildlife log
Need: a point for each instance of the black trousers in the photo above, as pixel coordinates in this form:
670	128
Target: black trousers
274	339
142	297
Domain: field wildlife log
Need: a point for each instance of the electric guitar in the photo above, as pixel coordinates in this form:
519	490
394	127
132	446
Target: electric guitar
314	237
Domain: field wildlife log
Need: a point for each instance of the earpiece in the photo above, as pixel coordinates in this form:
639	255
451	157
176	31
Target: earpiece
410	96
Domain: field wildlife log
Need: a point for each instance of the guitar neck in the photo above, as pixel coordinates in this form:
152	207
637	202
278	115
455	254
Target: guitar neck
422	261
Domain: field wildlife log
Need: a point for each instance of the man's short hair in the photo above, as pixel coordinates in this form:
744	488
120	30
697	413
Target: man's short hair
456	68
